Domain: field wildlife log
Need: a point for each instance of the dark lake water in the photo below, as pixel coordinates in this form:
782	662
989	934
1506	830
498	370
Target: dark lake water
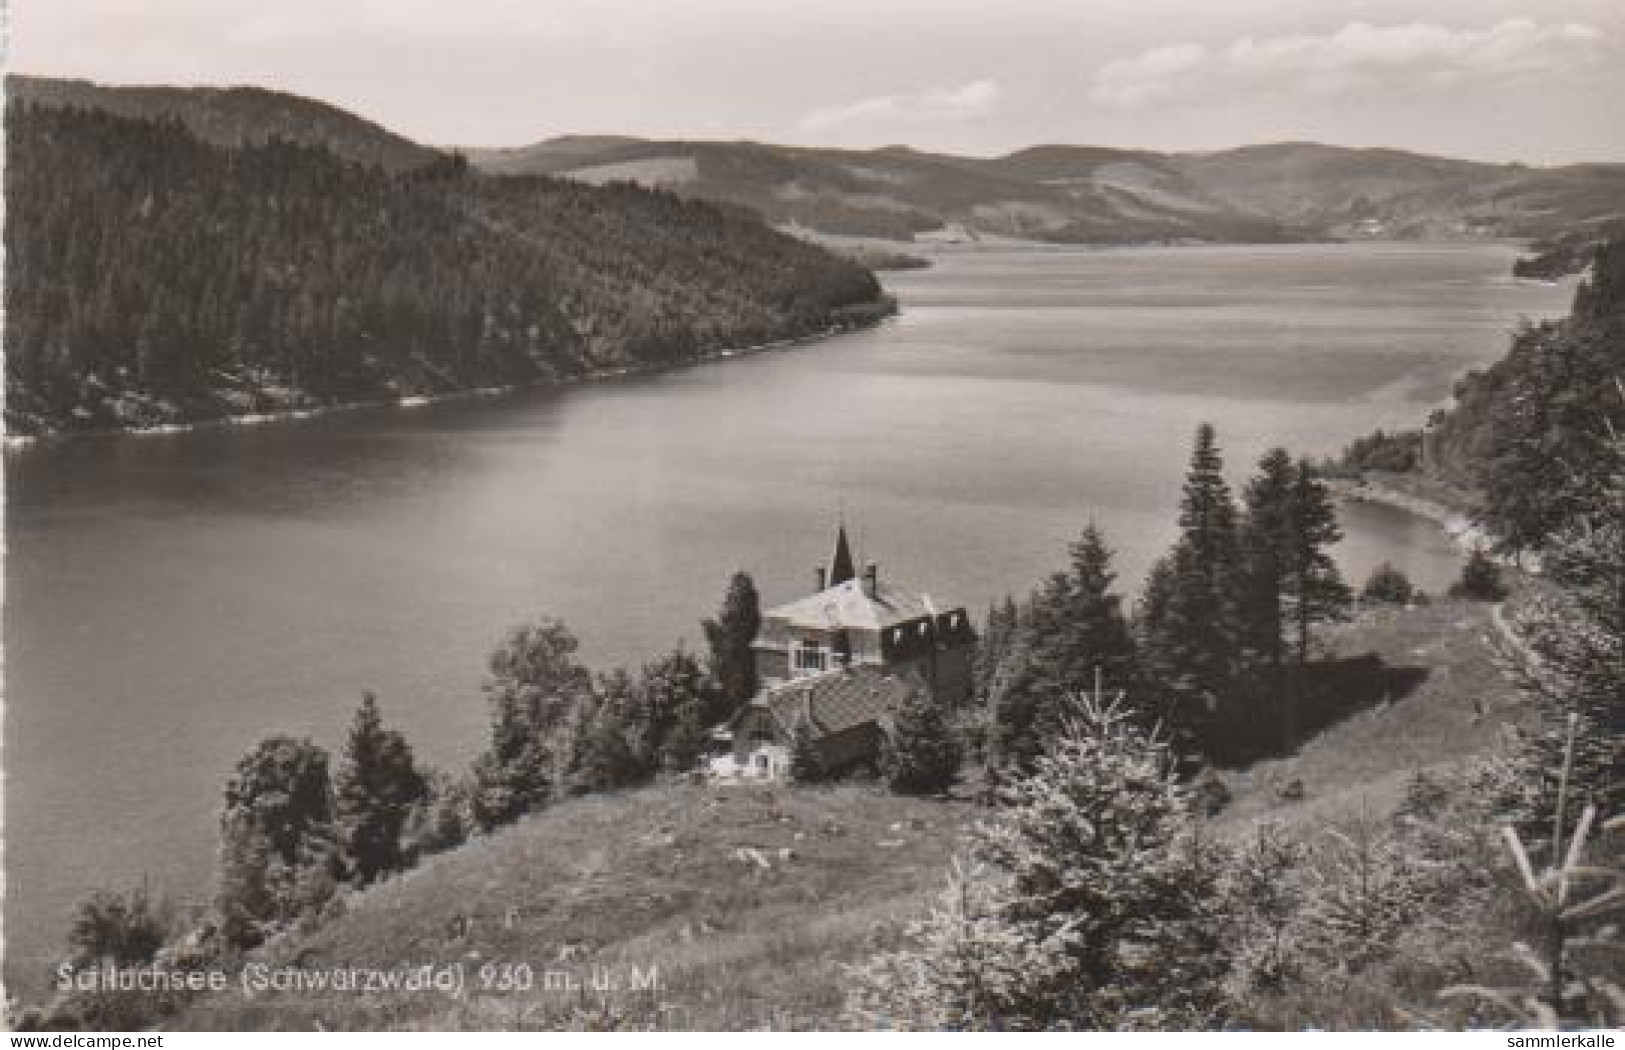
171	599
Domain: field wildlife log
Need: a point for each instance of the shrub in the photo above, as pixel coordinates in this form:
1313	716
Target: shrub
279	855
1388	586
1264	891
1397	453
535	690
806	761
120	928
439	822
1480	579
921	754
603	759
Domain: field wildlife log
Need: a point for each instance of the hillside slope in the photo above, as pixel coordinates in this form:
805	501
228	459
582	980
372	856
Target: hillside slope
155	278
654	880
1055	193
1085	194
1392	193
663	879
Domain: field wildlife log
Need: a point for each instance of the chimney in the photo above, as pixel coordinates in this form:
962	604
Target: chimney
871	580
821	583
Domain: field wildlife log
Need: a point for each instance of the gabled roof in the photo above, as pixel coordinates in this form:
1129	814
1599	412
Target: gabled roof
838	700
845	605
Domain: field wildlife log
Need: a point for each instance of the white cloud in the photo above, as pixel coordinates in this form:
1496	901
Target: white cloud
1150	76
940	105
1353	57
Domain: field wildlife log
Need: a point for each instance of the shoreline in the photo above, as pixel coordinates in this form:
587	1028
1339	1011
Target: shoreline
1438	507
1454	520
18	442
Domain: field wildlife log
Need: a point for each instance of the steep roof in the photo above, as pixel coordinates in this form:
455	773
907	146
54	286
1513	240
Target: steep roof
838	700
845	605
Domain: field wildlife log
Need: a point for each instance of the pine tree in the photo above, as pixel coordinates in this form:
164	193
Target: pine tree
1315	588
377	786
921	754
1072	634
729	637
1267	545
1577	637
994	645
1190	620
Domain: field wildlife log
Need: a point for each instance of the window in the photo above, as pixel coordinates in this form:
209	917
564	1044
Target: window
810	658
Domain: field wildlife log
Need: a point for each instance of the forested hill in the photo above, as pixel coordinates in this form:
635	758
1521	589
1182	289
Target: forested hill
1532	431
234	116
153	277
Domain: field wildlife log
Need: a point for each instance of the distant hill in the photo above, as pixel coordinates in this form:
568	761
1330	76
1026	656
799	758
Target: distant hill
1391	193
1086	194
153	277
901	193
1055	193
235	116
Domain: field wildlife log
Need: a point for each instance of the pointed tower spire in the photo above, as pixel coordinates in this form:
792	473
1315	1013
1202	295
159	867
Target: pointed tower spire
840	563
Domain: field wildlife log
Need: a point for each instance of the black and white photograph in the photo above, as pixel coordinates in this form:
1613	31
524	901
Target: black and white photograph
813	515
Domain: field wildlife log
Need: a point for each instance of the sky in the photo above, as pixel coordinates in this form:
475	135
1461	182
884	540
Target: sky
1538	81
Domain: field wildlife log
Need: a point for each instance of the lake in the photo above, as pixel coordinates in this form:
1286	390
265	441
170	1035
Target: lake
173	598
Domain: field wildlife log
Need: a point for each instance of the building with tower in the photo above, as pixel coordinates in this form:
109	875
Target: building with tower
841	659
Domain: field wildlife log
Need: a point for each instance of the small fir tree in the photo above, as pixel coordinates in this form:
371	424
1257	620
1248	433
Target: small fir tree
1266	543
114	927
1096	906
